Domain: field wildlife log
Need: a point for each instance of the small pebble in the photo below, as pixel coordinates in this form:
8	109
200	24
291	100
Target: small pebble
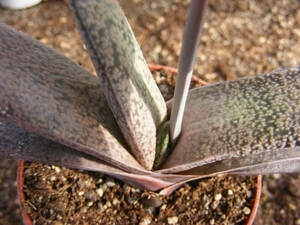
249	194
102	207
91	195
27	171
172	220
205	212
143	223
214	205
89	204
80	193
108	204
246	211
100	192
63	19
205	201
115	201
292	206
58	216
230	192
135	190
110	182
217	197
127	189
40	198
57	169
100	180
151	201
212	221
163	207
146	220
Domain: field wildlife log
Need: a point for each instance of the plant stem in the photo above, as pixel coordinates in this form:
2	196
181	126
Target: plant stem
189	48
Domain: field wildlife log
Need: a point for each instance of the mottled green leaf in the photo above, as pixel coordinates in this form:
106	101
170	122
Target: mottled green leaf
244	117
50	95
131	92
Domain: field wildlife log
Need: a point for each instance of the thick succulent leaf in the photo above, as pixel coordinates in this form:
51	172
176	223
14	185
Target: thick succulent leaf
128	85
240	118
50	95
280	161
287	161
17	143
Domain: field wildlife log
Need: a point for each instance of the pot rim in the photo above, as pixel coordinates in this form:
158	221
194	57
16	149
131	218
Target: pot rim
21	196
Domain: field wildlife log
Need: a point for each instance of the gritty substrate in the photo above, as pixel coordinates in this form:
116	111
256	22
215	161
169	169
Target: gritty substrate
56	195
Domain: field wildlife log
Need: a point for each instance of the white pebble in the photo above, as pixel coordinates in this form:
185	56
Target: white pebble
276	176
212	221
80	193
217	197
52	178
110	182
146	221
163	207
205	212
89	204
58	216
115	201
135	190
249	194
100	192
205	201
100	180
108	204
57	169
246	210
172	220
230	192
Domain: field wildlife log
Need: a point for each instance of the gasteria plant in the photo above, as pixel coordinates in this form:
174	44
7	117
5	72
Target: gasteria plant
54	111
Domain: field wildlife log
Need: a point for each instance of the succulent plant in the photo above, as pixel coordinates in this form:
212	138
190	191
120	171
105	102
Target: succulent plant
54	111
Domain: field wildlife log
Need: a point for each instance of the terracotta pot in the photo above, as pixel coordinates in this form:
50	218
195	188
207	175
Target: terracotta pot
20	178
21	196
255	203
